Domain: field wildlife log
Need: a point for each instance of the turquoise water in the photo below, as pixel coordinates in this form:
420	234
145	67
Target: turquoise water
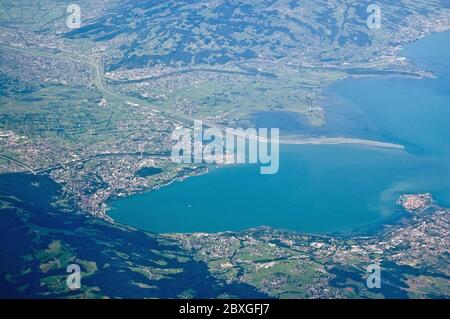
324	188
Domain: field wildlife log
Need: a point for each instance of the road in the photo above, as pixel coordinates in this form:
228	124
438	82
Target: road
100	83
18	163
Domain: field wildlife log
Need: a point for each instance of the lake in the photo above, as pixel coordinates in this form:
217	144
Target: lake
325	188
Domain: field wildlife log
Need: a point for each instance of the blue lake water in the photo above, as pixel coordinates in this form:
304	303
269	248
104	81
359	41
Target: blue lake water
325	188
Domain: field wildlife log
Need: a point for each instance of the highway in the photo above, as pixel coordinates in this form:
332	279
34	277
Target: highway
18	163
100	83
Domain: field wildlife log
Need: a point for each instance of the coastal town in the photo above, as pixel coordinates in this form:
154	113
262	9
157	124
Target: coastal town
291	265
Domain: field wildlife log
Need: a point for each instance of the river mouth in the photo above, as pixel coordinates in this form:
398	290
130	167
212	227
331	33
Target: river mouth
324	188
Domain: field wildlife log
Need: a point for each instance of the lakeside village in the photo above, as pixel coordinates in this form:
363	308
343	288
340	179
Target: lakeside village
286	264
